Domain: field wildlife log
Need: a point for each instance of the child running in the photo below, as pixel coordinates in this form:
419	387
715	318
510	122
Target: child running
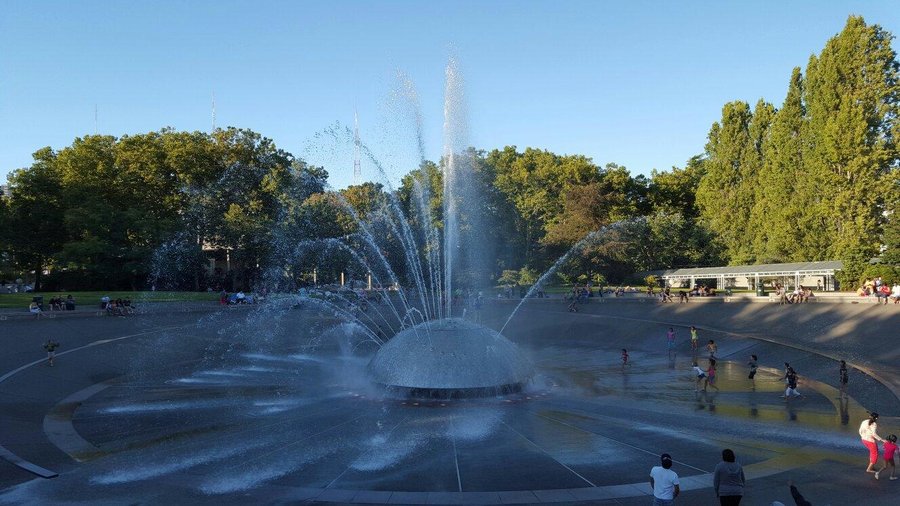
791	378
51	347
694	338
890	448
753	367
700	375
712	348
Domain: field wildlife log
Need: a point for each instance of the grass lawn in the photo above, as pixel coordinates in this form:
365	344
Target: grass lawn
21	300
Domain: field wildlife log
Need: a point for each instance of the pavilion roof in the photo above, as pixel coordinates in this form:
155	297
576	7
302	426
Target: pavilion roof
802	268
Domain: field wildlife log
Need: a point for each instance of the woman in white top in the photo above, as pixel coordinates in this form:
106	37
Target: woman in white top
868	432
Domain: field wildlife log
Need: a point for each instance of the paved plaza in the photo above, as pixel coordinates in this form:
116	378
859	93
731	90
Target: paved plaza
204	405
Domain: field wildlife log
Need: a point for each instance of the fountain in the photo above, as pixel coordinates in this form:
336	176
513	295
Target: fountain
433	353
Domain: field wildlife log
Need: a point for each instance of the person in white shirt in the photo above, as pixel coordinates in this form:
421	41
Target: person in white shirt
664	482
895	293
868	432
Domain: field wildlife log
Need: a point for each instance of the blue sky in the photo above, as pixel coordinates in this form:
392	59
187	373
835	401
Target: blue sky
632	82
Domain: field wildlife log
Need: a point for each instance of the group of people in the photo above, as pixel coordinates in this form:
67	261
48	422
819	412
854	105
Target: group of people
798	295
117	307
60	304
879	288
728	482
238	297
55	304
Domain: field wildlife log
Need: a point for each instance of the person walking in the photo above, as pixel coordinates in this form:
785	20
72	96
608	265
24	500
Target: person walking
664	482
845	378
753	367
711	375
868	433
890	448
51	347
728	480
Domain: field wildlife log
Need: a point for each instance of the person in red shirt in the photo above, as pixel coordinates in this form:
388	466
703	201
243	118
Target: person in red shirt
890	448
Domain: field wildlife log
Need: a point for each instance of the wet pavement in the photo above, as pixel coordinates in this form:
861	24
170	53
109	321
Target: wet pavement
276	408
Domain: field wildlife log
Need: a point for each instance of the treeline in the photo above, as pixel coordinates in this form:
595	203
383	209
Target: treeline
99	213
818	178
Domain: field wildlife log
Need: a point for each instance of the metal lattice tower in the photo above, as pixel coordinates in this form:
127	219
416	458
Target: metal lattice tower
214	111
357	172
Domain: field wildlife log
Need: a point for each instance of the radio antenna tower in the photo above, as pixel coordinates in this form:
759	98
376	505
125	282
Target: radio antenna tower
357	173
96	122
214	111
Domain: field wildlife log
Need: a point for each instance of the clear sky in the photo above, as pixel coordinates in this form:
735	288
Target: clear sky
632	82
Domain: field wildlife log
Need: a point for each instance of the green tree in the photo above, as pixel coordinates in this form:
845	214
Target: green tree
536	181
33	214
676	189
721	194
853	104
782	185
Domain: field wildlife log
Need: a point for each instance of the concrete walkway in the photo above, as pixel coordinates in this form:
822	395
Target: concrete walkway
810	336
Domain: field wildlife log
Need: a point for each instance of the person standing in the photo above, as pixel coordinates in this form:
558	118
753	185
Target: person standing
753	367
845	378
728	480
868	432
51	347
670	341
664	482
694	338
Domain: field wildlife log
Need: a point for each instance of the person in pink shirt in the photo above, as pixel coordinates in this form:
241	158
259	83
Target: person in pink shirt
890	448
868	432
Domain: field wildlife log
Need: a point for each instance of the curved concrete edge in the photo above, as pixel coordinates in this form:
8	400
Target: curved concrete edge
60	431
31	467
15	460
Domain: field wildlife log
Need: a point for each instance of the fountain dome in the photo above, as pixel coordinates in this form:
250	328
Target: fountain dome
450	358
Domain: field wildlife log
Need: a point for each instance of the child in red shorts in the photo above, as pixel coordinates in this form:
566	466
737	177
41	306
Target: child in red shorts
890	448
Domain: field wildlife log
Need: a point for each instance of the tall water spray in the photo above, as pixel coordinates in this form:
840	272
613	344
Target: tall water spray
455	138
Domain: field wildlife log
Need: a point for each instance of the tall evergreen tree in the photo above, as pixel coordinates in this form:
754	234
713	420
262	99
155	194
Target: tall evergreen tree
853	101
724	208
751	167
779	196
